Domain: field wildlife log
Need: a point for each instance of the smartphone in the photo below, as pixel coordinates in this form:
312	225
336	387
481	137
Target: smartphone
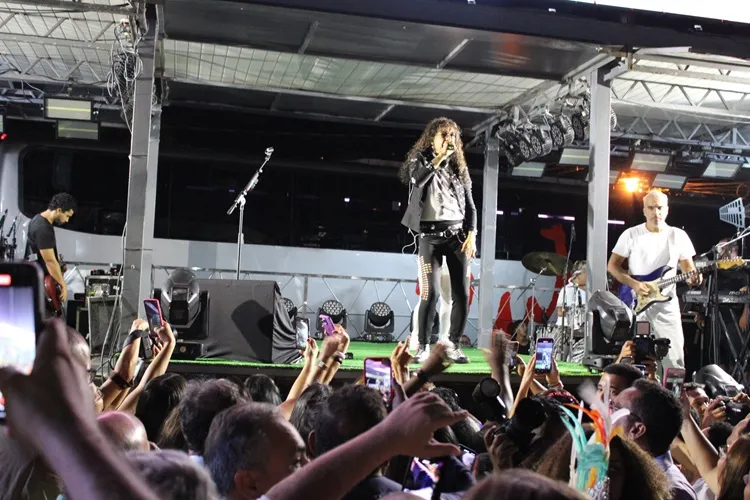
642	328
674	379
422	477
153	314
642	368
512	352
378	375
642	347
544	348
21	312
468	456
327	322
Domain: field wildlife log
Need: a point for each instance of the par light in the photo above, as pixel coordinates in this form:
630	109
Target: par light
541	142
561	131
334	310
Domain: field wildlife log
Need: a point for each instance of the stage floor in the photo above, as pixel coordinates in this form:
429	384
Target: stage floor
352	368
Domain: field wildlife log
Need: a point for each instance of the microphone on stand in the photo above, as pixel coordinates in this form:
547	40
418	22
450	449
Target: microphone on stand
269	152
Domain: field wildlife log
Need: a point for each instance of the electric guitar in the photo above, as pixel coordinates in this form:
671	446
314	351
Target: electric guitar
656	283
54	290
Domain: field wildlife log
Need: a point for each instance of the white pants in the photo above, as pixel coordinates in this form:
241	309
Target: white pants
666	323
444	313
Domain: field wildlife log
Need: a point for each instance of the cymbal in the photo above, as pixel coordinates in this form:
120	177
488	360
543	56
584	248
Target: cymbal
544	263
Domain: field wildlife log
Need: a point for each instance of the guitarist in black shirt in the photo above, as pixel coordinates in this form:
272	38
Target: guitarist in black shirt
42	246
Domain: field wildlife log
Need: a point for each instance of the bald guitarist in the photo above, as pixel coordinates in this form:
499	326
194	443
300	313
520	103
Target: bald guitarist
648	247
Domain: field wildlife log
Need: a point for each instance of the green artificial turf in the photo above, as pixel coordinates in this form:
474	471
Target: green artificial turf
362	350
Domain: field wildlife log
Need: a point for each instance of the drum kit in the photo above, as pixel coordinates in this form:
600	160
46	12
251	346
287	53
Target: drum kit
568	336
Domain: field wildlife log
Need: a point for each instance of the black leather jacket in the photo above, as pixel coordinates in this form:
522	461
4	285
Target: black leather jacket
421	172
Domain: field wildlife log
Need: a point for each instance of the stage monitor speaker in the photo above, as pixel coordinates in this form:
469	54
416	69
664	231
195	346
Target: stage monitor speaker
100	311
249	322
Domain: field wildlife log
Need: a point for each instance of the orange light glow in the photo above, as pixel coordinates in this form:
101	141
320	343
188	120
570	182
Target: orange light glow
631	184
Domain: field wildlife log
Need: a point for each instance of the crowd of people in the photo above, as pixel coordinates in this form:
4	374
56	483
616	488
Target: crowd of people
169	438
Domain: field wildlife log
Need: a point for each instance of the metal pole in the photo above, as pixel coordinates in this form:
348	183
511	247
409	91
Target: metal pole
598	181
144	157
487	308
240	236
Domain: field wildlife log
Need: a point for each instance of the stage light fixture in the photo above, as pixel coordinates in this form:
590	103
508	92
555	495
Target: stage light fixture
649	162
379	322
721	170
575	156
184	305
68	109
561	131
291	309
68	129
631	184
609	323
334	310
529	169
668	181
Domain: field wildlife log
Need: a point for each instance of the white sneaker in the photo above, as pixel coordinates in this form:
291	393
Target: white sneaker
423	352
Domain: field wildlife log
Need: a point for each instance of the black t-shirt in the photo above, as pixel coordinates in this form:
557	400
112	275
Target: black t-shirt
41	237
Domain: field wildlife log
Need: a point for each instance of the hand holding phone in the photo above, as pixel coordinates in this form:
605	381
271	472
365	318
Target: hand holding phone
674	379
153	314
379	376
544	349
511	353
328	327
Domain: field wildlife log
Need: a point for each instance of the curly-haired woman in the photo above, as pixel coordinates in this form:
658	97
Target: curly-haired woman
441	211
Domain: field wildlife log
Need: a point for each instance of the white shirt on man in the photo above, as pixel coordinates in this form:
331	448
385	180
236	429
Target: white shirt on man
647	251
575	305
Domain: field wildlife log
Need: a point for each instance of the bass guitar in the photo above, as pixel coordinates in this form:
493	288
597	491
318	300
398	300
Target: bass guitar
54	291
656	283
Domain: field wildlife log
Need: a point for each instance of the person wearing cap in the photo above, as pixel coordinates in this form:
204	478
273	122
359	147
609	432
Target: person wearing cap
571	306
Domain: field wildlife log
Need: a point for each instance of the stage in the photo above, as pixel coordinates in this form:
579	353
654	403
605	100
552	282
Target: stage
467	375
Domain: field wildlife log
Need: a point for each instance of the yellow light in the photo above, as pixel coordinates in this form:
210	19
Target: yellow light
631	184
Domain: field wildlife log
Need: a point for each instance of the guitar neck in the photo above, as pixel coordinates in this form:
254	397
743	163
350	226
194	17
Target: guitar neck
685	276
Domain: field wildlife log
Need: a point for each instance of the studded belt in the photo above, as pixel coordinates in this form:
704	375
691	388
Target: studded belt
435	230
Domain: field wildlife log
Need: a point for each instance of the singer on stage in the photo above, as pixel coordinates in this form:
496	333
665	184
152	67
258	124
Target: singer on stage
441	211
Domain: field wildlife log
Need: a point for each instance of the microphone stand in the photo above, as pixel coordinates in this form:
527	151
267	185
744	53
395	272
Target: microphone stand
565	283
240	202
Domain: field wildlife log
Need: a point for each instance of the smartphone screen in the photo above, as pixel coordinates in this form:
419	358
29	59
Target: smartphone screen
642	346
544	355
422	477
674	379
21	306
153	314
512	352
378	376
467	457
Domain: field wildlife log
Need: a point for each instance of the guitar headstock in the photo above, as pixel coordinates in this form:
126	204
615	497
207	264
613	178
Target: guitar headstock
730	263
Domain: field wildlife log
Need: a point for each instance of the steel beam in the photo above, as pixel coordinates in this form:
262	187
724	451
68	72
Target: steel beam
488	234
598	181
144	152
60	42
78	6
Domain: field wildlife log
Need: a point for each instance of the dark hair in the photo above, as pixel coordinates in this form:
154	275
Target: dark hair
63	201
237	440
736	466
660	412
519	484
424	143
718	433
483	466
628	372
204	400
348	412
307	408
160	396
173	475
262	389
171	436
467	431
692	386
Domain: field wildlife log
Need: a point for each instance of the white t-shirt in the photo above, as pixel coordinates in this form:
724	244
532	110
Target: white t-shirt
573	297
647	251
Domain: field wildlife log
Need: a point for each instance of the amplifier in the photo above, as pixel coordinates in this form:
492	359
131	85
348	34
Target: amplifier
103	286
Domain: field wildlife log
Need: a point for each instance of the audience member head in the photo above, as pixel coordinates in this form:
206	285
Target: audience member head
698	398
467	431
518	330
519	484
171	436
173	475
62	206
348	412
718	433
159	397
306	410
620	376
262	389
123	430
250	448
733	467
203	400
655	416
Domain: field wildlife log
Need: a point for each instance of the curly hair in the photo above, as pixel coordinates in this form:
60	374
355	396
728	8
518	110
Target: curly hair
424	143
63	201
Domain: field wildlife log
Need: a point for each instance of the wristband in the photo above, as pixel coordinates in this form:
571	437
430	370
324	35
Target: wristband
121	382
322	364
339	357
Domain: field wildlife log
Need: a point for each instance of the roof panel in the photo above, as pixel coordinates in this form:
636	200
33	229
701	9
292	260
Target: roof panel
409	114
329	107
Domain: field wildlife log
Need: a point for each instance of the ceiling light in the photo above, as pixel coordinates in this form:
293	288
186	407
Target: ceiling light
617	222
575	156
669	181
529	169
543	216
650	162
67	109
69	129
499	212
721	170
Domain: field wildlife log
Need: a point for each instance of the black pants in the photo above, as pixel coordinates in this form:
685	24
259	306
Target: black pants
432	249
